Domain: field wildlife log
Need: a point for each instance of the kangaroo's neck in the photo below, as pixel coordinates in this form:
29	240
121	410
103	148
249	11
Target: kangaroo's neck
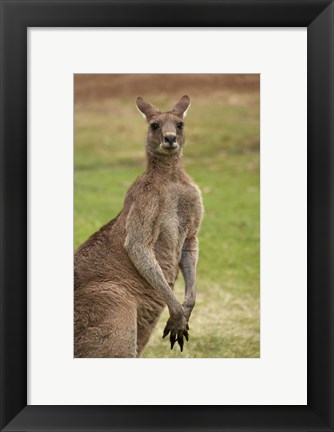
167	166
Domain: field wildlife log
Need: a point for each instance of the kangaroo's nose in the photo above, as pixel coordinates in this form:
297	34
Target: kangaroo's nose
169	139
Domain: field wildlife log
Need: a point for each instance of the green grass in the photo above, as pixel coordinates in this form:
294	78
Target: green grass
222	155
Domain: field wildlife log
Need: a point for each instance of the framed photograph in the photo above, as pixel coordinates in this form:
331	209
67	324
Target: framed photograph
216	204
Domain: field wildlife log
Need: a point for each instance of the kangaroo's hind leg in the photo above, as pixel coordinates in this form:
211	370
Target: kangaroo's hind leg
146	322
115	335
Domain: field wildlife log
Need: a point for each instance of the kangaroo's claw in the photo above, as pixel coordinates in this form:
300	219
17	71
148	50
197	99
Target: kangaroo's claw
172	339
180	340
166	331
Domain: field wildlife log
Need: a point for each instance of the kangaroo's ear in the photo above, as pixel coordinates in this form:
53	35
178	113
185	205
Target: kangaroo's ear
181	108
146	109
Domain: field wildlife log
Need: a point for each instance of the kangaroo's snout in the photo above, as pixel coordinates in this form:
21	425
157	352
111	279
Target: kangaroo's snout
170	140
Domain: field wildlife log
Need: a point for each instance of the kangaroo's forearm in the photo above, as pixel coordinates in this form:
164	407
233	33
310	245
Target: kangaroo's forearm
144	260
188	264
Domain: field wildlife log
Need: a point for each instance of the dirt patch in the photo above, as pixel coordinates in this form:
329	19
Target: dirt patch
90	87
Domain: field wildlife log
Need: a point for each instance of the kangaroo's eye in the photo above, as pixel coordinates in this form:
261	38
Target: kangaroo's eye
180	125
154	126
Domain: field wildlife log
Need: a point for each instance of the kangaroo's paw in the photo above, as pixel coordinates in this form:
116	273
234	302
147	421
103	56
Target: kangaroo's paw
178	329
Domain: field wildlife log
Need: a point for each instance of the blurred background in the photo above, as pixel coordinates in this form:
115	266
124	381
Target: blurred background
222	156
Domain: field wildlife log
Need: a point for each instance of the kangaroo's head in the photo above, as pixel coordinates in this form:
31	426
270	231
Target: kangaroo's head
165	134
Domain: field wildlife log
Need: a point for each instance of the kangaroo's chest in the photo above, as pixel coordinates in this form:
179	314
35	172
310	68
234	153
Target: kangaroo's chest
177	214
177	218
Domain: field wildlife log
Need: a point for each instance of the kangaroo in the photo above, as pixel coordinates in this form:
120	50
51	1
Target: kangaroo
124	274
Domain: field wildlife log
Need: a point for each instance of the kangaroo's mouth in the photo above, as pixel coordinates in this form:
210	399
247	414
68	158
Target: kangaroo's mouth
172	148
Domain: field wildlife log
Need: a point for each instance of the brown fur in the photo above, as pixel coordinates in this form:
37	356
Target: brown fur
125	272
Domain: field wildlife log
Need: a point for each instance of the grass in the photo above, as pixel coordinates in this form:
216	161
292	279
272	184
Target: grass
222	155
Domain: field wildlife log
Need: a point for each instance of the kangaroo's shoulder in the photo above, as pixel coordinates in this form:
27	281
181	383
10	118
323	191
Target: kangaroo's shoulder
143	191
191	188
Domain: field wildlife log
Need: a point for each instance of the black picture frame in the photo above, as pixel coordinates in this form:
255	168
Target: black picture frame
16	17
